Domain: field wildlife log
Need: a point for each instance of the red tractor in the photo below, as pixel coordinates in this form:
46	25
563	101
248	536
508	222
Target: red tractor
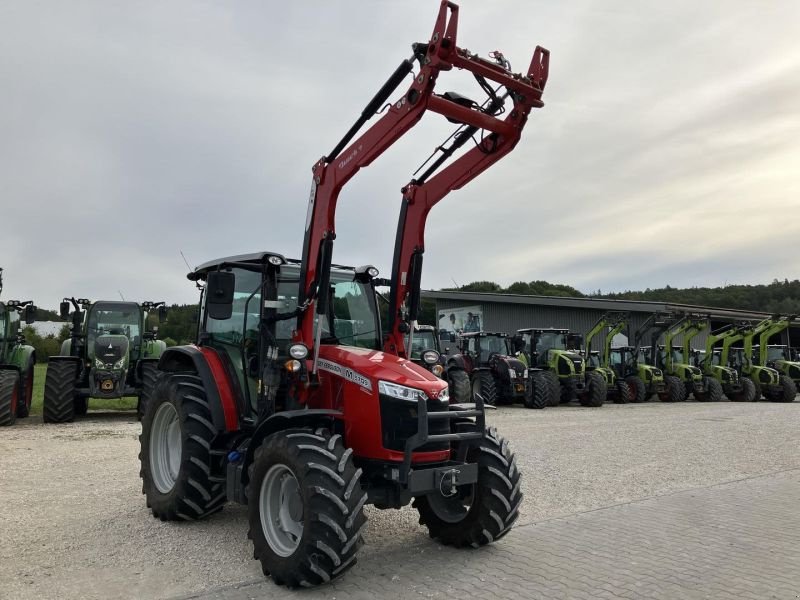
295	403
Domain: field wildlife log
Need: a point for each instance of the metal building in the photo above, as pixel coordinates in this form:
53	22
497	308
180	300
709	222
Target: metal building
509	312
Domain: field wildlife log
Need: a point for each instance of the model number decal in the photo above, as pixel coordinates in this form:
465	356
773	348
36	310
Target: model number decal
345	372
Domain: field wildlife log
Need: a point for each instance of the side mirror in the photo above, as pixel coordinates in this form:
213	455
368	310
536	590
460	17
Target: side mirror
162	314
30	314
64	309
219	294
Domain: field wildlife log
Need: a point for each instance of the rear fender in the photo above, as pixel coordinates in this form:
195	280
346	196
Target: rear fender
290	419
457	361
205	362
20	356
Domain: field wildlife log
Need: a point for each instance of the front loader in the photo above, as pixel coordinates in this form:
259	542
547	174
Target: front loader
296	403
733	385
109	354
778	356
17	360
714	380
668	386
619	389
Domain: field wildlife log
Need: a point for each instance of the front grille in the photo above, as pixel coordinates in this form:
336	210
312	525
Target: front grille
399	421
564	366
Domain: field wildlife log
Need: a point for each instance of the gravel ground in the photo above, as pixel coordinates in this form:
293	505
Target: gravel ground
73	522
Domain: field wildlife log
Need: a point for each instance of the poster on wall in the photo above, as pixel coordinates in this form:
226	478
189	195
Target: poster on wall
460	320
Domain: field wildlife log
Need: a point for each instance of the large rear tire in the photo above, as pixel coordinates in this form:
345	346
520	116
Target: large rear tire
149	372
714	391
596	391
483	384
460	388
787	392
554	384
676	391
9	397
58	405
624	393
26	393
638	388
478	513
748	391
536	391
175	455
305	506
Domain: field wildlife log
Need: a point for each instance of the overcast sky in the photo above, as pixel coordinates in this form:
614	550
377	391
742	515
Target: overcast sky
668	151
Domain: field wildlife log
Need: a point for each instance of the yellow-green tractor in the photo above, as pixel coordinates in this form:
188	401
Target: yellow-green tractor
17	360
109	354
778	356
599	361
668	386
564	368
736	387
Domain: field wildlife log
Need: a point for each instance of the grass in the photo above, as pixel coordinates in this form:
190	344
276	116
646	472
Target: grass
127	403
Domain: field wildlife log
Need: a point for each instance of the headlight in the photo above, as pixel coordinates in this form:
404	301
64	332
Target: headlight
525	374
512	374
430	357
98	364
119	363
437	370
298	351
401	392
444	395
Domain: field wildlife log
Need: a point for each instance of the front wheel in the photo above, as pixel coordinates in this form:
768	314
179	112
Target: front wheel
787	392
536	391
624	393
478	513
460	388
638	388
175	455
676	391
26	393
306	507
554	385
58	405
748	391
714	391
9	396
596	391
483	384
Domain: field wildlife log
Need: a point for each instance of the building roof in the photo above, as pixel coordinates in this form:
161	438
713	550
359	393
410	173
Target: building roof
607	304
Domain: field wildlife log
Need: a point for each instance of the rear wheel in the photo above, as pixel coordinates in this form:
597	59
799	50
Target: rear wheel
9	396
483	384
175	453
26	393
149	371
676	392
536	390
480	513
714	391
58	405
460	388
624	393
306	507
596	391
638	388
748	391
758	393
554	384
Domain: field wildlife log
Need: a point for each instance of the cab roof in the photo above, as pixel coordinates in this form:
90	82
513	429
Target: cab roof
254	260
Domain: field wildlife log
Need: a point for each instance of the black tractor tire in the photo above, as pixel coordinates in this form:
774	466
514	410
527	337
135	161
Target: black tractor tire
676	391
788	390
330	502
624	393
58	405
189	494
537	391
9	397
638	388
483	384
596	391
81	405
554	384
495	498
713	391
149	371
567	391
748	391
26	392
459	384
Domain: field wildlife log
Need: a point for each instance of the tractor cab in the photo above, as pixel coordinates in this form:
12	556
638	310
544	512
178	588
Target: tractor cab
424	349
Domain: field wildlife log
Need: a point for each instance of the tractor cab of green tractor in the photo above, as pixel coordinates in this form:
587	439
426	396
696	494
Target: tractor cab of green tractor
17	360
774	378
423	349
619	389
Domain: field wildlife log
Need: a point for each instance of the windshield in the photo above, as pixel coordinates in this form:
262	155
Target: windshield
594	360
677	355
354	313
422	341
776	352
549	340
118	318
492	344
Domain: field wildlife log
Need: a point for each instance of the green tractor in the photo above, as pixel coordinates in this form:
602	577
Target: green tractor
619	390
17	360
564	369
733	385
779	356
768	382
644	380
655	325
109	354
676	361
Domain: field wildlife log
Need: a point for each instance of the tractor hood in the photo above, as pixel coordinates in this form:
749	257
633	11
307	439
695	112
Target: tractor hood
366	367
111	349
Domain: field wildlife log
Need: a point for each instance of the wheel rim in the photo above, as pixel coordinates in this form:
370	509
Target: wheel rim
165	448
453	509
281	510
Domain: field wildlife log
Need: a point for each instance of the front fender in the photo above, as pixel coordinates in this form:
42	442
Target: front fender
20	356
